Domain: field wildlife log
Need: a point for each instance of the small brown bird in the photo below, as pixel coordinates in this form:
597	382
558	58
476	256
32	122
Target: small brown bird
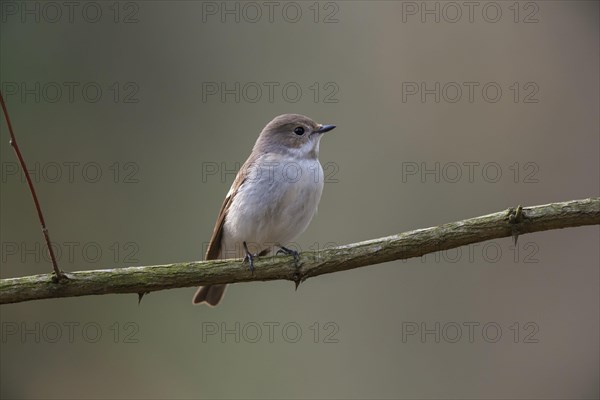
273	197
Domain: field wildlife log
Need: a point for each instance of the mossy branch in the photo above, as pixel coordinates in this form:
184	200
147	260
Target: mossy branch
512	222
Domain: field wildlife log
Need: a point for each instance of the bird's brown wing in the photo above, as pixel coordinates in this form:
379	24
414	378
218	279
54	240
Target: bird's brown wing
214	246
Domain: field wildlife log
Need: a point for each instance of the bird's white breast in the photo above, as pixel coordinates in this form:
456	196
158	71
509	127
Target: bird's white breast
275	203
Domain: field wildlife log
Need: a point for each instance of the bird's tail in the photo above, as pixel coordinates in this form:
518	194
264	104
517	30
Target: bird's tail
210	295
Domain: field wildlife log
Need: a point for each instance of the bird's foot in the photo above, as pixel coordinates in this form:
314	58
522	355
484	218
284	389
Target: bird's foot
249	257
290	252
296	255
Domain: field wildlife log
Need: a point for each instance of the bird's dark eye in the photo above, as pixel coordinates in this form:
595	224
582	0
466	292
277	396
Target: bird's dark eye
299	131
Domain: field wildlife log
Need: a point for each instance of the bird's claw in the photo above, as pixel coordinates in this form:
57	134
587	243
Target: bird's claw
290	252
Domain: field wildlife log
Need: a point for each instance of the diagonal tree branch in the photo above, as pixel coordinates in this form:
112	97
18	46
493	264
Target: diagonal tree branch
415	243
13	142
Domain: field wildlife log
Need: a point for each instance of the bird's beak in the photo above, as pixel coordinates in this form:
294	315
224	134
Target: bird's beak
325	128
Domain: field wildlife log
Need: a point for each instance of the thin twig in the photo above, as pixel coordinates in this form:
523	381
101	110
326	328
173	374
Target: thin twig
13	142
402	246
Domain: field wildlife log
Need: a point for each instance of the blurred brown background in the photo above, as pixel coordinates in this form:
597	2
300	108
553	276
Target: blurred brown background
120	111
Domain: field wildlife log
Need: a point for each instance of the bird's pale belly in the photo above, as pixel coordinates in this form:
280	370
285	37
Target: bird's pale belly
276	209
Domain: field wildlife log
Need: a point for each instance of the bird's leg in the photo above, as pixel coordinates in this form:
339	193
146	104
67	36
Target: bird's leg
249	257
290	252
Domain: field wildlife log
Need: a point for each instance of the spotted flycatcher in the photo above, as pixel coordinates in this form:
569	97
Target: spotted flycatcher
273	197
